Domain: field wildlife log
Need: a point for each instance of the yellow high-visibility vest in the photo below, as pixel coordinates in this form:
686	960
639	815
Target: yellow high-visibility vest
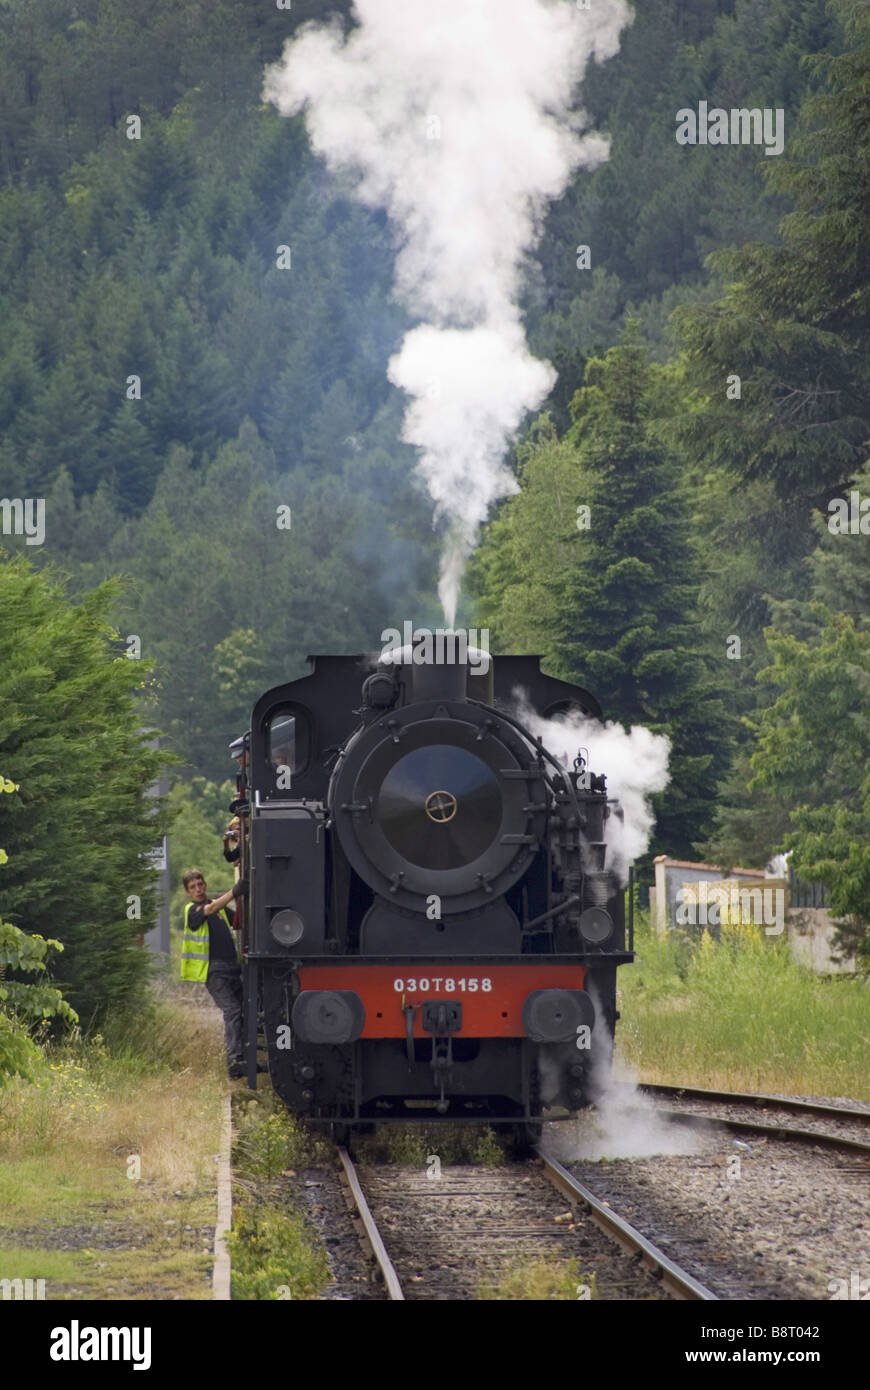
194	949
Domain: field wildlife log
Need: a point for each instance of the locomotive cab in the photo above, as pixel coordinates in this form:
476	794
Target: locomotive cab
433	921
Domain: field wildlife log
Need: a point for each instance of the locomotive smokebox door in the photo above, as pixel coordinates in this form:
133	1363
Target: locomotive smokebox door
439	799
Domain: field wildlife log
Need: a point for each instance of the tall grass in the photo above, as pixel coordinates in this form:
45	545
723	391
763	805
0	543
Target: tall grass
114	1143
740	1012
92	1101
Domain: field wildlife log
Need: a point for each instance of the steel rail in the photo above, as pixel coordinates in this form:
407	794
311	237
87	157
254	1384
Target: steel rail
676	1280
805	1107
800	1136
372	1234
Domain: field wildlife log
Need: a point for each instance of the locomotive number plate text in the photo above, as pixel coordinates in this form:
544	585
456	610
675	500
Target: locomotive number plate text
448	984
393	998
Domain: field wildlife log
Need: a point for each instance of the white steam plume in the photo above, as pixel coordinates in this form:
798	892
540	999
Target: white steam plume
626	1123
457	118
635	762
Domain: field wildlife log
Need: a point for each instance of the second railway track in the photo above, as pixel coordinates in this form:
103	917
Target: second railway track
783	1118
761	1100
455	1236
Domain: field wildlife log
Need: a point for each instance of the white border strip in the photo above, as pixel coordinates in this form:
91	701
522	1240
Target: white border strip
221	1272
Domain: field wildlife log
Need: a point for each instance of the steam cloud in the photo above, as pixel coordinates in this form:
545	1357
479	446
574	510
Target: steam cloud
635	762
625	1123
456	117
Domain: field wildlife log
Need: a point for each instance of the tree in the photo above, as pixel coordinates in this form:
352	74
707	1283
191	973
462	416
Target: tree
757	810
795	325
613	605
813	754
81	824
793	329
25	1007
655	210
200	816
238	678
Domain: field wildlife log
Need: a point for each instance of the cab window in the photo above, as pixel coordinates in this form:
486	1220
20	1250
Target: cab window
288	738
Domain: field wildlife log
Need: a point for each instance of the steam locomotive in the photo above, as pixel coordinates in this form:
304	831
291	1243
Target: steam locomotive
433	929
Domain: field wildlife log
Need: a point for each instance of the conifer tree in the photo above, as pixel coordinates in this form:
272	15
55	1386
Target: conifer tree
813	755
80	825
612	605
795	326
799	781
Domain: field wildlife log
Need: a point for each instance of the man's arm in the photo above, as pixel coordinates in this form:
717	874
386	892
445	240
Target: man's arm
200	911
217	903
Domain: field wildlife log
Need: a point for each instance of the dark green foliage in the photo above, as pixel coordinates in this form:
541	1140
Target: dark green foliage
795	327
614	606
25	1005
813	753
796	323
655	210
226	602
79	825
156	258
803	782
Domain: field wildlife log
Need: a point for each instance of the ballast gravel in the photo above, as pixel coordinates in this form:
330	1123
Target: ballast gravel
317	1192
753	1218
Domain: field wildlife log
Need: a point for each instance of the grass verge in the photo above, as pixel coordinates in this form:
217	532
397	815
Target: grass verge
107	1171
741	1014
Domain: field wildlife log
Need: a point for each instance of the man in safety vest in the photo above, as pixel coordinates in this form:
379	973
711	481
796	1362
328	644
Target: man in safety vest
208	954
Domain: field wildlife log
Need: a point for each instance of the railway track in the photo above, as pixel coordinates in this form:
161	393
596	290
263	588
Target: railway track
760	1100
443	1239
446	1239
834	1127
756	1206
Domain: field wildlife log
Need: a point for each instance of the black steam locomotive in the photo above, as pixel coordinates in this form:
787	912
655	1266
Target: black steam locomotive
433	929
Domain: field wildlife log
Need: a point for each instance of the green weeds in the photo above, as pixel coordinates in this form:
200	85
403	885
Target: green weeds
411	1145
541	1280
275	1256
741	1013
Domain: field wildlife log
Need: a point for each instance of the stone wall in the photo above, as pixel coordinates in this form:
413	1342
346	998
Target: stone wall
811	937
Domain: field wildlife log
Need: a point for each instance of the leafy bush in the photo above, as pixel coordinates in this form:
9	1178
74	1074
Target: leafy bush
25	1007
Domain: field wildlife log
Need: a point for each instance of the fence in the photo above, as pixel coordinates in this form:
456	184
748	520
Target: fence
802	894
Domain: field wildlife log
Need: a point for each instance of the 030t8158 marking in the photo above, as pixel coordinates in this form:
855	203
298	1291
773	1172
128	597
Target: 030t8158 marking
450	984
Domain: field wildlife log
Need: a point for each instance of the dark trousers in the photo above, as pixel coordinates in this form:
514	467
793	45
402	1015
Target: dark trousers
224	984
